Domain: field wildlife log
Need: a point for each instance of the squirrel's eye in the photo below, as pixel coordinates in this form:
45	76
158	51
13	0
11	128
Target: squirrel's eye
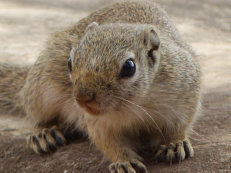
70	64
128	69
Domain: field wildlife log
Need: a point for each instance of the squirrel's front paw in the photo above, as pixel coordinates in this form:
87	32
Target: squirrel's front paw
175	152
46	141
134	166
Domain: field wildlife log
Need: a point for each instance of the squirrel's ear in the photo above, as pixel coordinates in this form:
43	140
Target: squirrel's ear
91	26
151	39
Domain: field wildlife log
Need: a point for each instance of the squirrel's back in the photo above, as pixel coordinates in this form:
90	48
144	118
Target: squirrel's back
12	80
134	12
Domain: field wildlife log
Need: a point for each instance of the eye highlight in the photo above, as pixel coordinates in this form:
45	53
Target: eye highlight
69	63
128	69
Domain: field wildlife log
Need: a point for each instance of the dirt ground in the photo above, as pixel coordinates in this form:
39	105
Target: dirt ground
205	24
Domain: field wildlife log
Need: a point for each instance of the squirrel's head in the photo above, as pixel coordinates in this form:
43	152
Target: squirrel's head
113	66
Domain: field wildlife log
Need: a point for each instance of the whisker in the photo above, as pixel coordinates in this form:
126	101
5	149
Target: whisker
175	113
202	137
140	117
141	108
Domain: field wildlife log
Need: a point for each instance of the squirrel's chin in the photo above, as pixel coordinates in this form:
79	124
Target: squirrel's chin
92	111
92	108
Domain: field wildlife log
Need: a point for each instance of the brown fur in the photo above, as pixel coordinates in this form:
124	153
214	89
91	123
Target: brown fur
162	98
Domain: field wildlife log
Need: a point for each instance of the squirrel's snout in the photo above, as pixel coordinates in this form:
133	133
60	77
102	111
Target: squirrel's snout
84	95
86	99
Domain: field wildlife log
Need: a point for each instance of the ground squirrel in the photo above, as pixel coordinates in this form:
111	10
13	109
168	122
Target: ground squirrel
119	75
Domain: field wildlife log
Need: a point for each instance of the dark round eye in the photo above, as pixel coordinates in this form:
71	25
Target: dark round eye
70	64
128	69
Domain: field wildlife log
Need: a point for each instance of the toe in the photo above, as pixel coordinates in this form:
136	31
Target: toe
112	168
134	166
138	166
175	152
58	136
188	149
46	141
125	168
180	153
160	156
170	156
50	142
33	143
41	138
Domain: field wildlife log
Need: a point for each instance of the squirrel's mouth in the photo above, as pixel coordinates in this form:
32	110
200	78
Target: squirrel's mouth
92	111
91	107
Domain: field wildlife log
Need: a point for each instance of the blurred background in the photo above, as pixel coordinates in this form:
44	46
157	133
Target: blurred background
25	25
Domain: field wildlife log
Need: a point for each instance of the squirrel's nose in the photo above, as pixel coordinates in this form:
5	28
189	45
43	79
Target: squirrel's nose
84	95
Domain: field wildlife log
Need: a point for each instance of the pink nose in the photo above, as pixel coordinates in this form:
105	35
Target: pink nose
83	95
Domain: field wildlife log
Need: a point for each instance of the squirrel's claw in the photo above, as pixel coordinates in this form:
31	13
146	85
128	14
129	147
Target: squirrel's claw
175	152
134	166
46	141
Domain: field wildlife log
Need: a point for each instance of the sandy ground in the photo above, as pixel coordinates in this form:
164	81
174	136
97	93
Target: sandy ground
206	24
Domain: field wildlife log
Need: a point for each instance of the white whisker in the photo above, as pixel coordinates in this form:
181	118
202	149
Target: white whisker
141	108
140	117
